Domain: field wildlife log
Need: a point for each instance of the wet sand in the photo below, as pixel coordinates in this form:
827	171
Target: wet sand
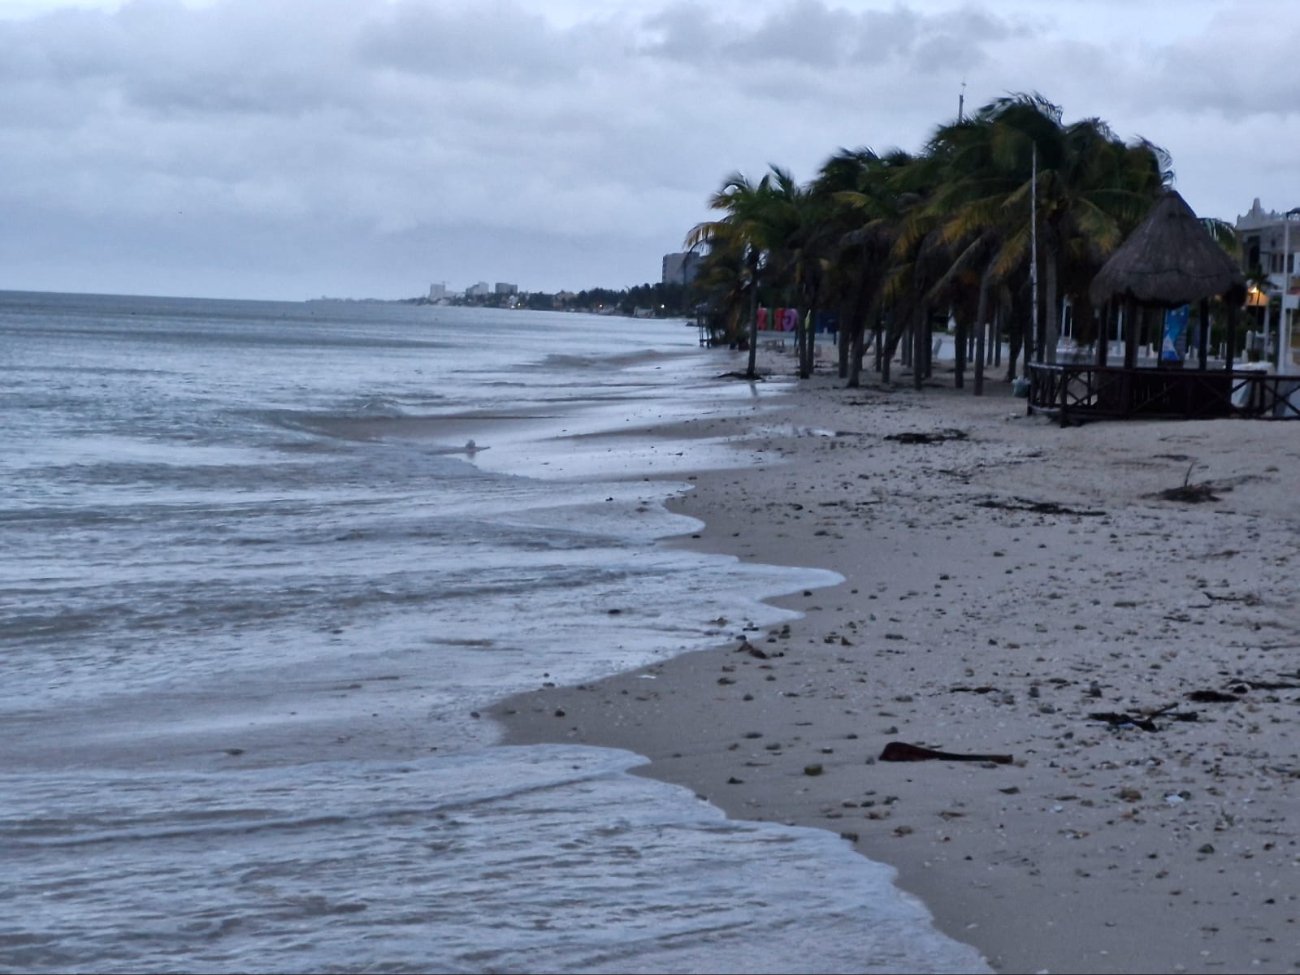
1113	606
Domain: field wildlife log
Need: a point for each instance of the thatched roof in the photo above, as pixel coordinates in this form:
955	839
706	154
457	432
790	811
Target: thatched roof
1169	260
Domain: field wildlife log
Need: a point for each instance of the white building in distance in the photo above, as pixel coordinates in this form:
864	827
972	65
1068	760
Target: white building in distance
680	268
1264	235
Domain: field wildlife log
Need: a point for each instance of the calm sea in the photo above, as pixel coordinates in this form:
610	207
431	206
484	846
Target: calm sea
255	587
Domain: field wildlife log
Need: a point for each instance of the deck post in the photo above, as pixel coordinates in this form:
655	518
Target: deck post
1131	328
1103	333
1203	345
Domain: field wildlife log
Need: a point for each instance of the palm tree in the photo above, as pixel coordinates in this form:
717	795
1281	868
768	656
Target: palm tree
1091	189
765	223
917	258
737	235
864	208
795	226
889	237
721	285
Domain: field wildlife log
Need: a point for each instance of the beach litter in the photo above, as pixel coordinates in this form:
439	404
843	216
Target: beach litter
1188	492
1037	507
901	751
1144	720
935	436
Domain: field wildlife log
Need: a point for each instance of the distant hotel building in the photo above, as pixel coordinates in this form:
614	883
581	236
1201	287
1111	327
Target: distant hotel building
507	289
1263	234
680	268
479	290
437	292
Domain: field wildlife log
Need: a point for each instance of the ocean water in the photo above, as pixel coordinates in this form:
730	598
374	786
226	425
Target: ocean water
262	565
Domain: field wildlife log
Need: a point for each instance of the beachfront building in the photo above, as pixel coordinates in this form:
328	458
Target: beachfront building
1269	241
480	290
1265	245
680	268
438	291
1166	267
502	288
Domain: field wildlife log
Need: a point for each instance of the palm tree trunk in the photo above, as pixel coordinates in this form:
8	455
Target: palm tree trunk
981	310
927	346
861	310
959	355
752	371
810	323
854	363
799	339
999	316
920	323
811	293
805	326
898	329
845	337
878	334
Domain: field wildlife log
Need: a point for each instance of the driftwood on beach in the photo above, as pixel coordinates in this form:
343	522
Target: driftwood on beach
1038	507
927	437
901	751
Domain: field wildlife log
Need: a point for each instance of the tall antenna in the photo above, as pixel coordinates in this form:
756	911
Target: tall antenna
961	103
1033	254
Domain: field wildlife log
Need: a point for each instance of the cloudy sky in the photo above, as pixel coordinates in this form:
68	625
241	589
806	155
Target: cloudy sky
367	148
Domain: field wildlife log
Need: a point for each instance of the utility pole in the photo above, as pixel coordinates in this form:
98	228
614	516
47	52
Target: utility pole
1033	256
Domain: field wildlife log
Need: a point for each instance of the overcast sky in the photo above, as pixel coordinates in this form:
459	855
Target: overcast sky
367	148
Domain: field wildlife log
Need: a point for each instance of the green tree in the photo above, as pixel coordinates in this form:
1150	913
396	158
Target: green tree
1092	189
898	240
768	224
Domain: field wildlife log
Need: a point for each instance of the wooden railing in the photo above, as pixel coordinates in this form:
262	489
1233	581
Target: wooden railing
1076	393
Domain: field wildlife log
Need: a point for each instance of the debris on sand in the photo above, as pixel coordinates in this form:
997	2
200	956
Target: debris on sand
901	751
1144	719
1037	507
1190	493
934	436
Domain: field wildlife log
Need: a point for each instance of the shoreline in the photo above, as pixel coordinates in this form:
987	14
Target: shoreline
1005	582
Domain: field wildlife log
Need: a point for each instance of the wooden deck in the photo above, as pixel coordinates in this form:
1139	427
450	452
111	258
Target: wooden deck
1078	393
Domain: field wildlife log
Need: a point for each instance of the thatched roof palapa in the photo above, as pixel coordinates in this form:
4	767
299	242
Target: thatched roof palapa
1169	260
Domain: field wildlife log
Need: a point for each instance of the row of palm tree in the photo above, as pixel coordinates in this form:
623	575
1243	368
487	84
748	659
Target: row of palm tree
890	241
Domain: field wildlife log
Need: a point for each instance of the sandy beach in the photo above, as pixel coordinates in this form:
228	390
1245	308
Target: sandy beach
1111	607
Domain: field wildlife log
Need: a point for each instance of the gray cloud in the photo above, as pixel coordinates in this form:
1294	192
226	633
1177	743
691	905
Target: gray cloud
368	147
490	41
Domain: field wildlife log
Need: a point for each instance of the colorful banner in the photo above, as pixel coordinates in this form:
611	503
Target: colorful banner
1173	346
